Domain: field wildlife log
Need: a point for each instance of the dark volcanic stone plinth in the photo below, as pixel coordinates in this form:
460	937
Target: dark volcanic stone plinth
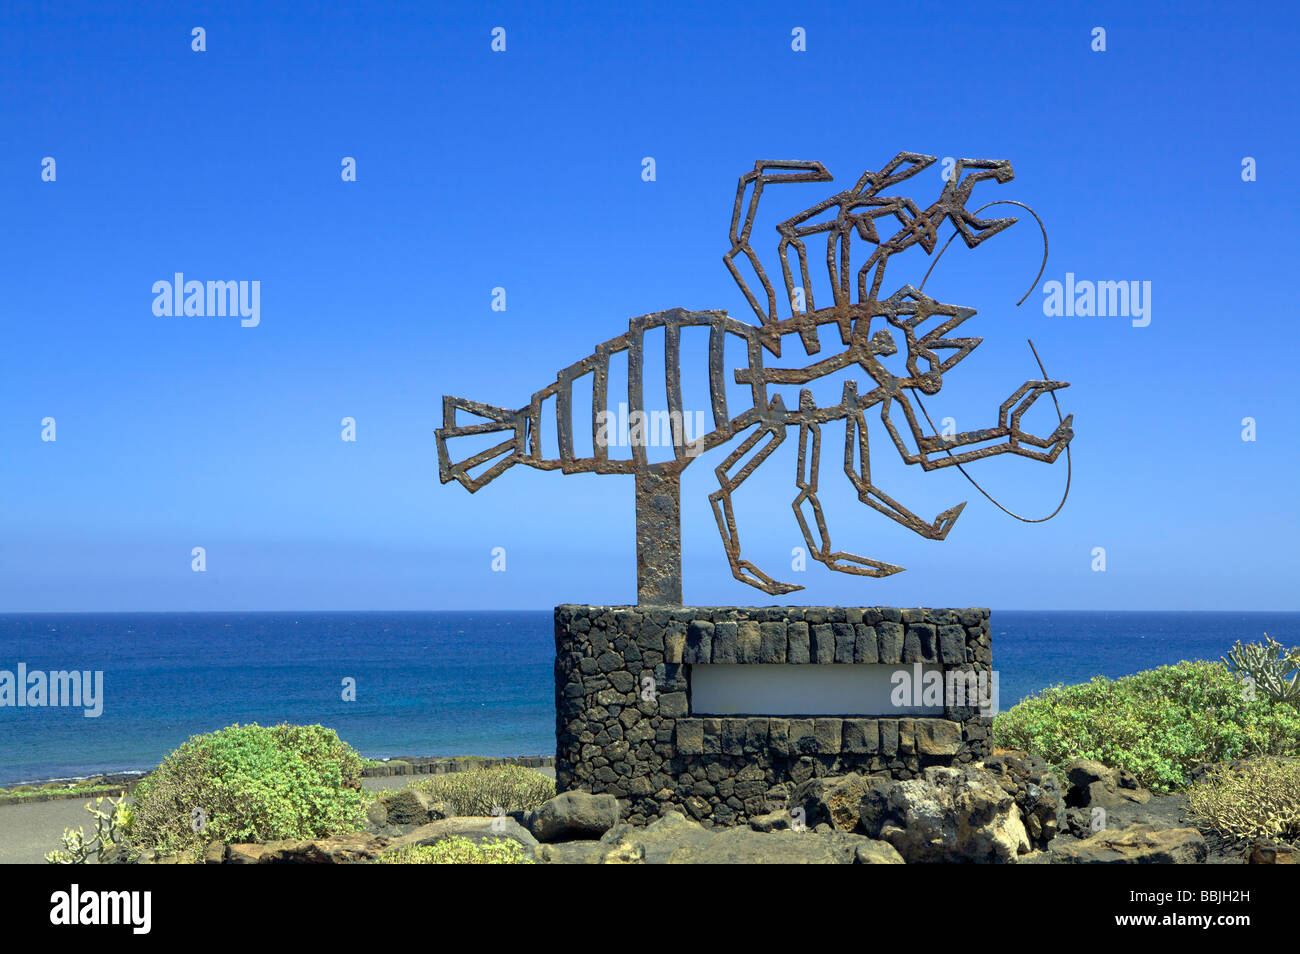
624	723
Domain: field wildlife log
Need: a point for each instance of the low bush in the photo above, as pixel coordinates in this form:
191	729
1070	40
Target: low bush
1258	798
60	789
1159	724
458	850
482	791
249	783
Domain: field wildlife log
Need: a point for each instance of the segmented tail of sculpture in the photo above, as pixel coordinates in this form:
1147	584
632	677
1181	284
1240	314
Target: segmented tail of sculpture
496	420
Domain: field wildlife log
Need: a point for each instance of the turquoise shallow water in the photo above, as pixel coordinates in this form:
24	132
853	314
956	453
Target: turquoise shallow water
438	683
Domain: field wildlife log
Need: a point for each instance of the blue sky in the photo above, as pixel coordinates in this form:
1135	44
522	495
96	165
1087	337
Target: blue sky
523	170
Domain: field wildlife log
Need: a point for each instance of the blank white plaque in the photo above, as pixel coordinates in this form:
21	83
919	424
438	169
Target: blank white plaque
783	689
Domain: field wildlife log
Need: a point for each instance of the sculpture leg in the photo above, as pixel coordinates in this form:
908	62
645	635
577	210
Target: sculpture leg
878	500
806	480
744	570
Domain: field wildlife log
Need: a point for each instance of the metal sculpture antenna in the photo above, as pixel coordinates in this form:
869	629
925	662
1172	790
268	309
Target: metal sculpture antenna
869	330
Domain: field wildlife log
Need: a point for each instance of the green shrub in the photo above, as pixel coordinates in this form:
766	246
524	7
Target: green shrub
1259	798
481	791
249	783
1158	724
458	850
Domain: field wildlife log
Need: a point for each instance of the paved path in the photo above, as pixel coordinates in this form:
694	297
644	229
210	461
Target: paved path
27	832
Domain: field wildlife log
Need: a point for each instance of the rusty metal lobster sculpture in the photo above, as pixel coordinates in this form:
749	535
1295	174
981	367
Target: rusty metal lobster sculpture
866	331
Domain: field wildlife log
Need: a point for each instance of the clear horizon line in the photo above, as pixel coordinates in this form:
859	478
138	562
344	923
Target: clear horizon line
5	612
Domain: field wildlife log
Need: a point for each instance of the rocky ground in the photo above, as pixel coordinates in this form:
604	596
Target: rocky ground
1008	809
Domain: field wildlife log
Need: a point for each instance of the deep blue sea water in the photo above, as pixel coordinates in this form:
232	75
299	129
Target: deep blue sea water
439	683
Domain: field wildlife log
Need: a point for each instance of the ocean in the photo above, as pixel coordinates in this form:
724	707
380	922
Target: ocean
439	683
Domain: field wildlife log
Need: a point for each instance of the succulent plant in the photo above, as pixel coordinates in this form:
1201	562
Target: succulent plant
1270	667
109	825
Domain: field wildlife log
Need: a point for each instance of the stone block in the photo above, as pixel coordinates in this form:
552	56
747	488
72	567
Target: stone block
725	643
828	732
772	642
889	642
799	649
823	643
699	642
861	737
